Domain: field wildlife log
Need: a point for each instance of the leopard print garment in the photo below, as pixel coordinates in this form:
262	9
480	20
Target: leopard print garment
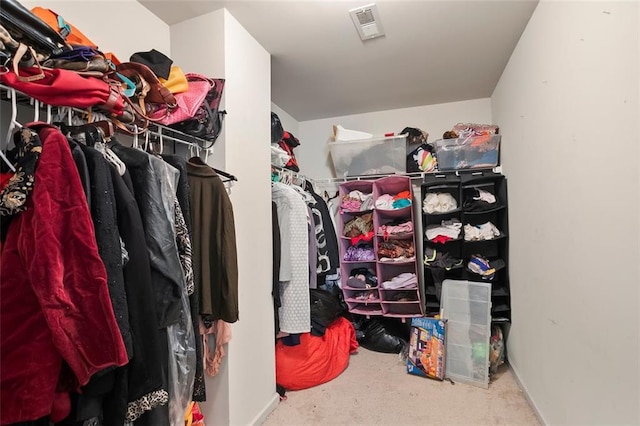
148	402
13	198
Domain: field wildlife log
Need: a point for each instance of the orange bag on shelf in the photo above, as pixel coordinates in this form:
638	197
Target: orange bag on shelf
70	33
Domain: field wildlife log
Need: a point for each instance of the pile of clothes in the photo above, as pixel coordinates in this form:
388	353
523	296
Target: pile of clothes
396	228
393	202
356	201
476	200
482	232
439	202
362	278
448	230
404	280
396	250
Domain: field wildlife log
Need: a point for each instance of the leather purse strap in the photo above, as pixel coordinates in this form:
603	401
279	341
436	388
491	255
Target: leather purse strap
17	57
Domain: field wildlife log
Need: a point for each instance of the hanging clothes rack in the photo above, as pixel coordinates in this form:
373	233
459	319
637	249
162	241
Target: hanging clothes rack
154	129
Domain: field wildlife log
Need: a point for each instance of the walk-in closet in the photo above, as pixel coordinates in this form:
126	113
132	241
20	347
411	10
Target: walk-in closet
319	212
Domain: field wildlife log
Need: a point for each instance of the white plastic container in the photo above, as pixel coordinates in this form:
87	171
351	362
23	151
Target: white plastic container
374	156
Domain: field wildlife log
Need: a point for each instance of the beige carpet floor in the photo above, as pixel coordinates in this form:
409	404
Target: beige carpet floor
376	390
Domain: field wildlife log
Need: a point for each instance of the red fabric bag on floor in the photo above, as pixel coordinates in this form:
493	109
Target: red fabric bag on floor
316	360
66	88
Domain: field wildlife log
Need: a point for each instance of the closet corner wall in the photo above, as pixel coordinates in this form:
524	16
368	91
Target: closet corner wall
224	49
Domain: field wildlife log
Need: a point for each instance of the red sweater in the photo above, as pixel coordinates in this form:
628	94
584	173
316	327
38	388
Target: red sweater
54	305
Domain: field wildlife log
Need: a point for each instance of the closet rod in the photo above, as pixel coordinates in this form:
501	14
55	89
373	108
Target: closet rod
292	173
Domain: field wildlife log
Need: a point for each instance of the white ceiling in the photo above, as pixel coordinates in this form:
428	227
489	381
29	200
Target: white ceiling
433	51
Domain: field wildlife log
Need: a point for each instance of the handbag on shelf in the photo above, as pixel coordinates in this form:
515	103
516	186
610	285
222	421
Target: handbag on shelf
208	119
27	28
59	87
187	103
81	59
150	89
71	34
177	81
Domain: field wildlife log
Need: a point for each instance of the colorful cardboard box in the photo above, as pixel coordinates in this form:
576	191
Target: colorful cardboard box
427	348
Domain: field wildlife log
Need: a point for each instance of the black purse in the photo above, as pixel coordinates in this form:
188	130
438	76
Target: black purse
27	28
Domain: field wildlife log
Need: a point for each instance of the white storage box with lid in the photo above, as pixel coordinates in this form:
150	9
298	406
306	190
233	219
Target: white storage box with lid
474	152
373	156
466	306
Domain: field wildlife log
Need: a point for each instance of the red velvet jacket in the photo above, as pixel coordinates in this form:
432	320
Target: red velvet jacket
57	326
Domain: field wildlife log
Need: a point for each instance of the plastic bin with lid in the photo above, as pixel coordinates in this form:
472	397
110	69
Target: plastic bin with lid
373	156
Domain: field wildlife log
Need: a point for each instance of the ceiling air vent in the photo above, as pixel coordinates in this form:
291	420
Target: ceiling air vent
367	21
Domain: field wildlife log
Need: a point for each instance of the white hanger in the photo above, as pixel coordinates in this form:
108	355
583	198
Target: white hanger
161	140
146	141
49	114
206	155
135	137
13	124
36	110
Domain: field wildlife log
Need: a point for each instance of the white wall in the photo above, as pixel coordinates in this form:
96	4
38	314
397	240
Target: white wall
313	154
208	28
121	26
567	105
243	392
289	123
251	352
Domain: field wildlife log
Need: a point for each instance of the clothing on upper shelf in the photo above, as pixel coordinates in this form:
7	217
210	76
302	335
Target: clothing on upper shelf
356	201
391	202
439	202
478	199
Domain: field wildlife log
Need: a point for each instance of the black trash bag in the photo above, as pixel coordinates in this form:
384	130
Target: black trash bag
325	309
384	335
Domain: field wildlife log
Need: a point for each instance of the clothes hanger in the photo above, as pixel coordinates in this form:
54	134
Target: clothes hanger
161	140
36	110
135	137
13	124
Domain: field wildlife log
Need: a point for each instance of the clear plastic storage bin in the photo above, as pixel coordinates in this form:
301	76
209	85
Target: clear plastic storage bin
373	156
468	153
466	306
